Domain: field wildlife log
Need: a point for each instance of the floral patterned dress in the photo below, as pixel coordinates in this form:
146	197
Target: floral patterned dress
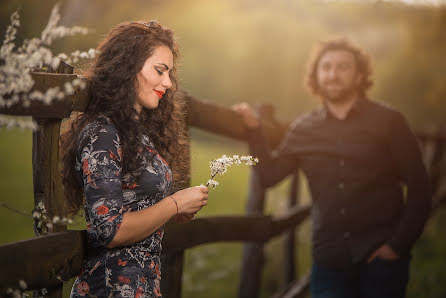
126	271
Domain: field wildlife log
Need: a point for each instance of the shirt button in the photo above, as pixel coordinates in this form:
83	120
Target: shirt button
341	185
342	211
347	235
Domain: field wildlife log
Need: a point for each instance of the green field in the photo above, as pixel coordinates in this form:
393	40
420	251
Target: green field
213	270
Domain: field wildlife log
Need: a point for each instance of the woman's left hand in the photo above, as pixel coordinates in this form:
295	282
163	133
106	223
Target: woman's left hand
184	217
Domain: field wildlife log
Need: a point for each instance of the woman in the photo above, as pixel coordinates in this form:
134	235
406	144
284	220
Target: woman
115	156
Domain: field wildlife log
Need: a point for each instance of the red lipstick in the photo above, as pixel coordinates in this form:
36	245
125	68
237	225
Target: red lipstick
159	93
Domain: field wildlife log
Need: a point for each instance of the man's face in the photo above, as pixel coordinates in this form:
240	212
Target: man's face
337	76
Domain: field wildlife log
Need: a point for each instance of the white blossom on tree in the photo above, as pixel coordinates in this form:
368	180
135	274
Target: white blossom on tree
16	64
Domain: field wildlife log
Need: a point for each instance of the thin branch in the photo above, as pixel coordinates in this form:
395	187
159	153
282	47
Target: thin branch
4	205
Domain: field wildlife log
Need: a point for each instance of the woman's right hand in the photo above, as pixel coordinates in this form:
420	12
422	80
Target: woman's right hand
192	199
249	116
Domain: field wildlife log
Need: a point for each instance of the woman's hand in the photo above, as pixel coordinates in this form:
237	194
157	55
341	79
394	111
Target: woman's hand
138	225
191	200
249	116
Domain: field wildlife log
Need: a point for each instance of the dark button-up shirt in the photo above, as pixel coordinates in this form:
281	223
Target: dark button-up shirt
366	177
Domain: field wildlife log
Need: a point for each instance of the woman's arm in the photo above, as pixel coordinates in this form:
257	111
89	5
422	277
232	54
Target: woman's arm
138	225
108	224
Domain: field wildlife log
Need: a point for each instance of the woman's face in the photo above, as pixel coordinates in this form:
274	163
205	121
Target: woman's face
154	79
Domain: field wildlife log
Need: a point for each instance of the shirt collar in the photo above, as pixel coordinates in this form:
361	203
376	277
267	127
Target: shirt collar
360	105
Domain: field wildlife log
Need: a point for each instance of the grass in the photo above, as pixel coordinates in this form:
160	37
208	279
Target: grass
213	270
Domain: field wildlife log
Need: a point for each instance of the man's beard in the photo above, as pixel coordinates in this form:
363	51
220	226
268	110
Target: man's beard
339	96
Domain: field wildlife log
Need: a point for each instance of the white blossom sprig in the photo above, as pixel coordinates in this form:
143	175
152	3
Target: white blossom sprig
221	165
20	292
44	223
16	81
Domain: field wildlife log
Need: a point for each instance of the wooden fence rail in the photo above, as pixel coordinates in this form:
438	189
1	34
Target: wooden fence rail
46	260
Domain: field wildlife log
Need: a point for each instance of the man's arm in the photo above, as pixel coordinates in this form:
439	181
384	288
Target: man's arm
272	168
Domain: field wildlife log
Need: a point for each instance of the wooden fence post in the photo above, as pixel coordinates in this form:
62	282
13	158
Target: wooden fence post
47	181
434	158
253	254
290	264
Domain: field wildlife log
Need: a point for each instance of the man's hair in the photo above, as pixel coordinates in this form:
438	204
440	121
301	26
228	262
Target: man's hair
362	63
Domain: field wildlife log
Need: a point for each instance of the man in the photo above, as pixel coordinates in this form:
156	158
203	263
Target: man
370	190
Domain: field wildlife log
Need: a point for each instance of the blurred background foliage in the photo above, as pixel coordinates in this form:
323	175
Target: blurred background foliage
255	51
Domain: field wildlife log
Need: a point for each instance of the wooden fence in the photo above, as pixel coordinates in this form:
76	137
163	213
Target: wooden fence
45	261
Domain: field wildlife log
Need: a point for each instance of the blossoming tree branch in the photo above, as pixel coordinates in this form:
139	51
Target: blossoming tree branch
17	63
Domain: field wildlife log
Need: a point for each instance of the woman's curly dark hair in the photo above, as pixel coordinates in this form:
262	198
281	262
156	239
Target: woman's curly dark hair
361	58
112	78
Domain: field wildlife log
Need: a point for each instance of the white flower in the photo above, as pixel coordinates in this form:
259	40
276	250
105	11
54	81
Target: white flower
69	90
84	55
220	165
41	206
23	284
17	294
55	63
62	56
49	226
78	83
10	122
76	53
92	53
212	183
56	219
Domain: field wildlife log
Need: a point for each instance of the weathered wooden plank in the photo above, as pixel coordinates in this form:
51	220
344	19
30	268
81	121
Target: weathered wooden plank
60	254
172	271
253	254
58	108
223	121
201	114
47	181
216	229
289	263
46	171
293	217
41	260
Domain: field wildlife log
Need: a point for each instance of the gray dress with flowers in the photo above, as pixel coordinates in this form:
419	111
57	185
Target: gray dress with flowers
126	271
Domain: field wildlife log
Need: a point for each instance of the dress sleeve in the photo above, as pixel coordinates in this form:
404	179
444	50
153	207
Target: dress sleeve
407	156
99	160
